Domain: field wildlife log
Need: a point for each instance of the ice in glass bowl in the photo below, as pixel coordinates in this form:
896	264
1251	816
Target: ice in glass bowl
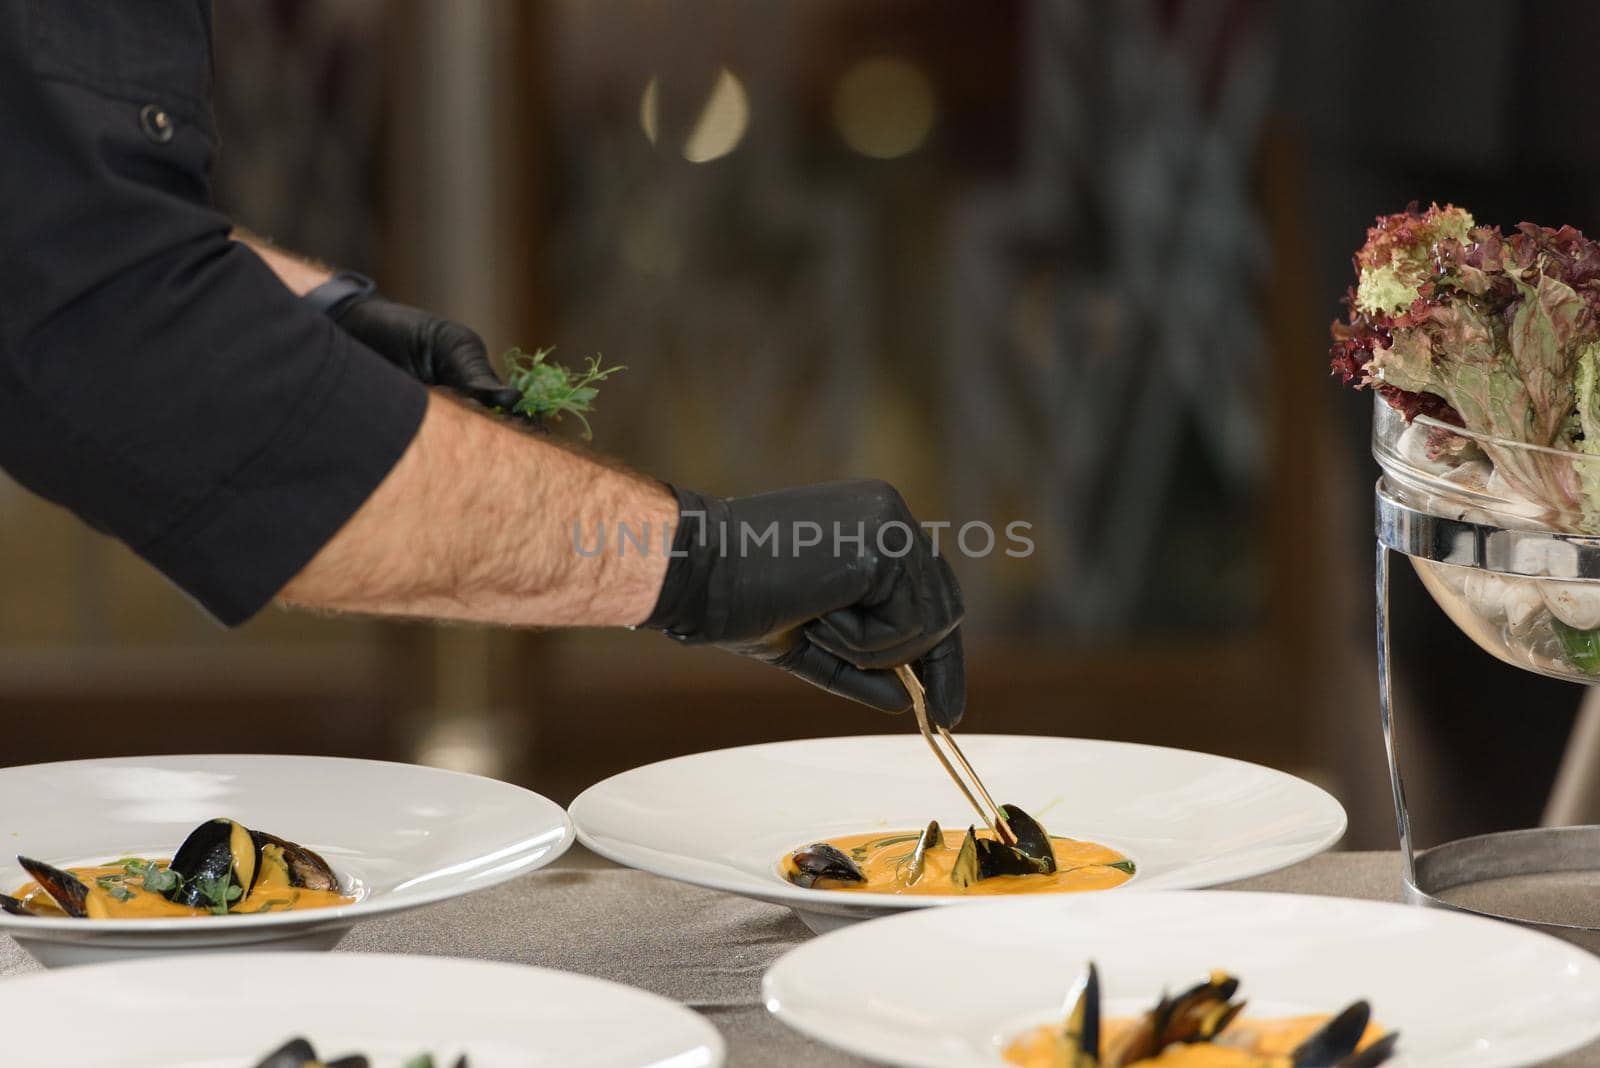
1546	624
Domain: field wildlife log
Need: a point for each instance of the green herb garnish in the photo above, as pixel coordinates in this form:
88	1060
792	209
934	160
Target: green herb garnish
551	390
112	884
156	879
421	1060
1124	866
273	903
218	891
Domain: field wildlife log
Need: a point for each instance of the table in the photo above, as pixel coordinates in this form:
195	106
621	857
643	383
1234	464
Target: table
704	948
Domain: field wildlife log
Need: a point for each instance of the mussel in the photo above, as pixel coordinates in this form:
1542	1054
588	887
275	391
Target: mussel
1082	1031
13	906
1373	1055
69	892
823	861
298	1053
1032	839
218	856
1200	1014
304	867
932	838
1334	1044
1196	1015
984	858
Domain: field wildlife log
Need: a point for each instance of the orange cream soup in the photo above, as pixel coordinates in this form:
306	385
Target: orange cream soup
1245	1043
272	893
884	858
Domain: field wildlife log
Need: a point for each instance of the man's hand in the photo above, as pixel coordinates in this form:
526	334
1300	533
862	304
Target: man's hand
435	351
835	583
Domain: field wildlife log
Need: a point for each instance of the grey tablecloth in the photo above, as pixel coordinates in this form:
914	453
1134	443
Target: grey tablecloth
700	947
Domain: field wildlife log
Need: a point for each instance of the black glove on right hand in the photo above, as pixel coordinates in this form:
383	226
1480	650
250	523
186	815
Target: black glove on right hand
836	583
434	351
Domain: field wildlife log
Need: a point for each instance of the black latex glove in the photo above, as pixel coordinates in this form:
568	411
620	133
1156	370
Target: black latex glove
434	351
840	616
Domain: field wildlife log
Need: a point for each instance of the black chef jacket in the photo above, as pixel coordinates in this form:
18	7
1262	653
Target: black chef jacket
155	377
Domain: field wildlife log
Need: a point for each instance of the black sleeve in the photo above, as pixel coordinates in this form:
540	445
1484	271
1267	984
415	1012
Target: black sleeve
155	377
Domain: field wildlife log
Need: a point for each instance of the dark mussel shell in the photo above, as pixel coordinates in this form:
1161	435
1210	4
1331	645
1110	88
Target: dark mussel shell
298	1053
307	869
965	870
13	906
64	888
1336	1040
1031	837
984	858
1197	1014
216	849
932	838
823	861
295	1053
1083	1023
1374	1054
997	859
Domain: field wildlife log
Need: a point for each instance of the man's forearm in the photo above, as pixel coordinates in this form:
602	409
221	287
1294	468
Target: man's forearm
481	522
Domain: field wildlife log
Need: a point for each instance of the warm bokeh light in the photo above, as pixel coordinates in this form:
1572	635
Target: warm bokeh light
884	107
717	129
722	121
650	109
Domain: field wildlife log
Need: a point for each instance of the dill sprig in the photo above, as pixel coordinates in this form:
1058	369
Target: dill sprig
550	390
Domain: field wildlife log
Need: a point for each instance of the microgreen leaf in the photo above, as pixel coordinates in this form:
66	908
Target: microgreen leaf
112	884
549	389
1125	866
156	879
218	891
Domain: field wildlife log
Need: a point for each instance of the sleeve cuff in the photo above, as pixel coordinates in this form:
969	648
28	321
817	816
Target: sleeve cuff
265	523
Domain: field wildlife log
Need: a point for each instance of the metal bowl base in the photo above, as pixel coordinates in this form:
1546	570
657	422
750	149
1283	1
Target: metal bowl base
1545	878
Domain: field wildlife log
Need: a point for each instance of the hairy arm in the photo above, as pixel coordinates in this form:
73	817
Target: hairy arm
299	274
481	522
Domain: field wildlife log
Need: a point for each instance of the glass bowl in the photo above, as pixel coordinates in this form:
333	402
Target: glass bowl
1525	615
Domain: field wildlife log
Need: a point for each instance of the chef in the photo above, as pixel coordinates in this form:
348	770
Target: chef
259	428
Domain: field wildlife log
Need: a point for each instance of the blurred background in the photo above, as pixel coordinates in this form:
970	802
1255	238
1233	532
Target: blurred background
1058	262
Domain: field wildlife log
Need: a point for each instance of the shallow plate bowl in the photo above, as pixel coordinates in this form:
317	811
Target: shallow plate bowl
725	819
151	1014
943	988
398	835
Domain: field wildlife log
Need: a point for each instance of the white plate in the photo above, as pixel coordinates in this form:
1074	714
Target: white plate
154	1013
937	989
725	819
397	834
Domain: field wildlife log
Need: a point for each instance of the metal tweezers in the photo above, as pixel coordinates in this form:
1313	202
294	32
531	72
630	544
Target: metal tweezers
992	818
